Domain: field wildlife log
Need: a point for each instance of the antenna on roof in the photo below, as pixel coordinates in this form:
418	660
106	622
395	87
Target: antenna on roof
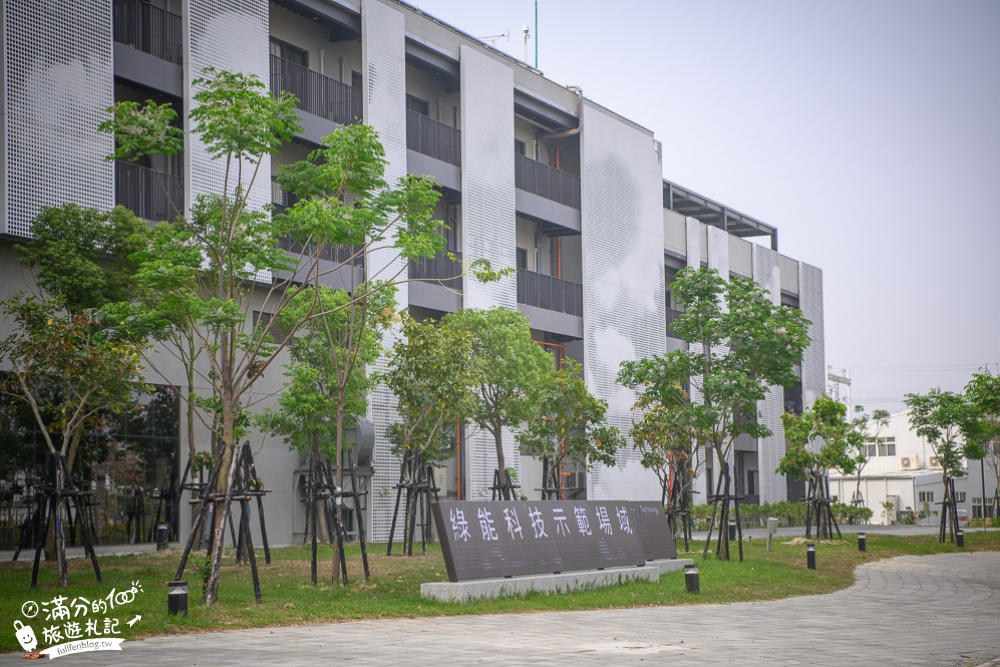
492	40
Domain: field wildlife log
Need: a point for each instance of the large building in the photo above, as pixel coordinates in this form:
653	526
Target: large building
535	176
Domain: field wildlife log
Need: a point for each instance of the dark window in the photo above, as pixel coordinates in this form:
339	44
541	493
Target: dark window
522	258
416	104
751	482
290	53
519	147
356	80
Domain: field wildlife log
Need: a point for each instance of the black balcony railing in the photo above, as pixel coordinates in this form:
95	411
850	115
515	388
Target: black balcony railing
535	289
317	93
148	28
546	181
428	136
440	269
149	196
672	315
337	253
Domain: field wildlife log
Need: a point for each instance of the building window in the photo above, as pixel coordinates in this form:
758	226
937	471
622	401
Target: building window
884	447
751	482
290	53
522	258
977	508
422	107
960	496
356	80
925	496
519	147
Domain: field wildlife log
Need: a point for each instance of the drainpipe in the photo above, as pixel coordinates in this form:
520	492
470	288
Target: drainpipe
573	131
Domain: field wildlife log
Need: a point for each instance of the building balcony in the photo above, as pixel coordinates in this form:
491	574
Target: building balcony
541	291
545	181
672	315
317	93
149	29
335	252
430	137
439	270
149	195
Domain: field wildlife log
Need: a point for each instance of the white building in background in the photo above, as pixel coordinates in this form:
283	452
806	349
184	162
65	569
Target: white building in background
535	177
903	470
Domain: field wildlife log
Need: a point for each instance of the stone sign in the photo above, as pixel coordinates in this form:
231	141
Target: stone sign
482	540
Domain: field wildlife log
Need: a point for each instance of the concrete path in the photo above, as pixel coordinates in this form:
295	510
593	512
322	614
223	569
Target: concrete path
929	610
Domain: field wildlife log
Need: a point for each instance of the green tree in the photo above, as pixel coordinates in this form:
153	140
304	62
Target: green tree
67	368
865	428
432	375
82	256
739	343
508	365
328	379
983	392
569	426
244	268
667	441
70	363
948	421
819	439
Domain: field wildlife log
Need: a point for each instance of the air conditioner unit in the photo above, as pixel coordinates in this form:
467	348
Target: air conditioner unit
910	462
935	462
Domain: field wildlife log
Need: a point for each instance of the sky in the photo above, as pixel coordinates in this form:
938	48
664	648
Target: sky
867	132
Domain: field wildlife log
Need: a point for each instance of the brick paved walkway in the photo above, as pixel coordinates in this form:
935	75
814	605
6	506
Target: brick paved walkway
929	610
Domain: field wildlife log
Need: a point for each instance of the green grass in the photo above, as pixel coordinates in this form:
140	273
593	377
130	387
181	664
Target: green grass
394	591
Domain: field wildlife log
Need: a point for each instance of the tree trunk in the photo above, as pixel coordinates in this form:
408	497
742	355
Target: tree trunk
505	490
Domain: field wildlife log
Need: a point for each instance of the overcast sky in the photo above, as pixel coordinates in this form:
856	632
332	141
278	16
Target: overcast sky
867	132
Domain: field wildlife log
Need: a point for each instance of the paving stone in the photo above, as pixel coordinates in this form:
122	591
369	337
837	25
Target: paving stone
914	610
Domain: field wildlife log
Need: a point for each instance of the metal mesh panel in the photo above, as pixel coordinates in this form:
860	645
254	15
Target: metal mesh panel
58	83
385	95
770	450
814	358
693	230
230	35
622	225
488	225
718	259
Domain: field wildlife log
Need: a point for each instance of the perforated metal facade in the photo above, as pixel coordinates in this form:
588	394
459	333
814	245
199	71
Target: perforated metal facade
489	224
384	79
693	230
230	35
624	309
814	359
770	450
58	83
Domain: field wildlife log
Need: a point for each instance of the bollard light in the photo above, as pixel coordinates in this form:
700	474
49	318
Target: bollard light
177	598
960	538
811	556
691	578
732	530
162	536
862	542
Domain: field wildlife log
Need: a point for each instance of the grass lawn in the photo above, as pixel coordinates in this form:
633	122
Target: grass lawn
394	591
